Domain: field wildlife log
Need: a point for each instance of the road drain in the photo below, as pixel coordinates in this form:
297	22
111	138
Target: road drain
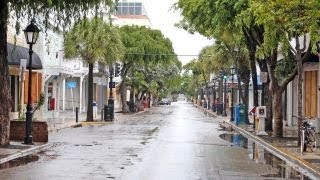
19	161
260	155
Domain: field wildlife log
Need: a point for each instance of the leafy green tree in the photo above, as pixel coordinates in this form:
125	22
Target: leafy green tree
265	25
94	41
286	21
144	48
60	12
214	18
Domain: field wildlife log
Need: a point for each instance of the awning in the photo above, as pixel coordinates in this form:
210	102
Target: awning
15	53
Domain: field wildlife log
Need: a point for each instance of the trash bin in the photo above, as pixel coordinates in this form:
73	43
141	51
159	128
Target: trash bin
214	109
131	106
108	112
237	114
219	108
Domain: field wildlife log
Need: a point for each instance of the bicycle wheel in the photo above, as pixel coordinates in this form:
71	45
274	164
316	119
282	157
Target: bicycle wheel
312	140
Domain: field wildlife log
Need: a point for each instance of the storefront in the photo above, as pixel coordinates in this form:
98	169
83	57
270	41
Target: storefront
18	81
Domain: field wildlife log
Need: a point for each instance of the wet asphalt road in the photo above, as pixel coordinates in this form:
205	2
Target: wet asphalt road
168	142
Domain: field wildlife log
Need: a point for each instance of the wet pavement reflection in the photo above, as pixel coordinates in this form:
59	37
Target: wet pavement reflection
164	143
19	161
260	155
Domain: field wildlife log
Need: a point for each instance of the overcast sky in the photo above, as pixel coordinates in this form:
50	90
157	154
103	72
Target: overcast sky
164	18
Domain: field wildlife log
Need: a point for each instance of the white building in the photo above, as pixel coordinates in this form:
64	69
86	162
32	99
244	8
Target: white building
64	81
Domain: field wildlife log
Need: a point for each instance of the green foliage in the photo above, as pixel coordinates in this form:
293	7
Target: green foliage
187	87
284	20
58	13
149	58
94	41
39	104
145	45
285	66
36	107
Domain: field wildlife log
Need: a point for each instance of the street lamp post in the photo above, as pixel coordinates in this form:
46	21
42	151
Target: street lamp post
214	80
225	96
220	103
31	34
232	69
110	100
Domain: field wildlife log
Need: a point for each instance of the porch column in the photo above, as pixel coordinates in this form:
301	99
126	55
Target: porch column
80	93
46	96
289	104
63	94
56	92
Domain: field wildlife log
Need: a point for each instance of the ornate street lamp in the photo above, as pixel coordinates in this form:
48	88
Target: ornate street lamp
224	113
214	81
109	108
233	70
220	103
31	34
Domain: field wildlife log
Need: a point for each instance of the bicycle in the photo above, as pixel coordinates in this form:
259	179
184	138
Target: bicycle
308	137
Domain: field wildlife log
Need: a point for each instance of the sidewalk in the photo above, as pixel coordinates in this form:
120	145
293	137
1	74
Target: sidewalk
56	121
284	147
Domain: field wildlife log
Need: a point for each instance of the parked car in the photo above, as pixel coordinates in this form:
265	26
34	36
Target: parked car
165	101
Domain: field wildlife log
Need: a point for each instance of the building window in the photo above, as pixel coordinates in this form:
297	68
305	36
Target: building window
132	8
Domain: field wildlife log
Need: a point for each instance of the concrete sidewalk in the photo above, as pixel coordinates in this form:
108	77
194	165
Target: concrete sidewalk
285	147
56	122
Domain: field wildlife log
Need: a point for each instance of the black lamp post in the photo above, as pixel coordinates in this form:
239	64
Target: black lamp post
220	94
214	80
225	96
220	86
31	34
110	113
232	69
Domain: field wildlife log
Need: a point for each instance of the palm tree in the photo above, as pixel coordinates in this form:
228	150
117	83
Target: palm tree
94	41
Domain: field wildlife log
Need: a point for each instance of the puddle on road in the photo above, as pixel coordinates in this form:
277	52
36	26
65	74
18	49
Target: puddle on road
237	140
19	161
260	155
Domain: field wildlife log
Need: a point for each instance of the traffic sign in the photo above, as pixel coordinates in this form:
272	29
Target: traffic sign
71	84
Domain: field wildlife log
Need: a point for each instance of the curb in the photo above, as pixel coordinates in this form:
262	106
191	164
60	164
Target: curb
26	152
87	123
285	155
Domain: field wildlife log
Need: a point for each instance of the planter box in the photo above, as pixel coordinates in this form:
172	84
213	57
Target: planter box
39	131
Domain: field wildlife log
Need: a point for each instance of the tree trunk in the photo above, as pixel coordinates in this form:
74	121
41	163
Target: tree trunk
90	93
254	76
123	87
244	75
300	83
245	101
277	113
123	94
5	97
266	99
149	100
268	104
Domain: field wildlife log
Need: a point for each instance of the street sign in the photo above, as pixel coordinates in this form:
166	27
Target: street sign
71	84
233	85
112	84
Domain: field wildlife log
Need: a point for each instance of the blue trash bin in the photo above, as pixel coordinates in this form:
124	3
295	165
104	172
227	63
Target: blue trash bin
237	114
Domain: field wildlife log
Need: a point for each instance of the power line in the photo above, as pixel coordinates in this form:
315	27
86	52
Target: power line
143	54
